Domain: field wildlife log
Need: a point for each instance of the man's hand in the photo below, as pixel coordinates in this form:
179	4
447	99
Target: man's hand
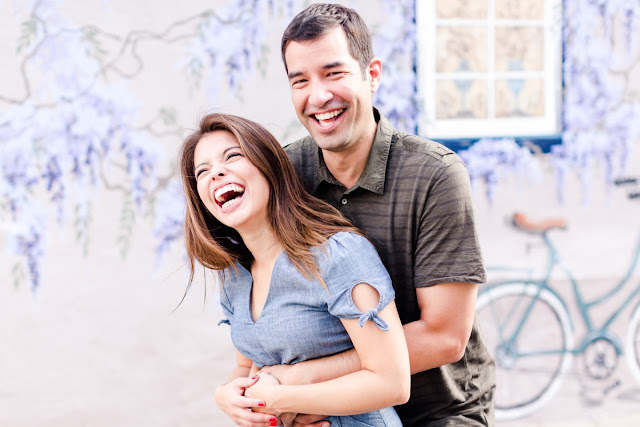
230	398
274	375
262	388
304	420
285	374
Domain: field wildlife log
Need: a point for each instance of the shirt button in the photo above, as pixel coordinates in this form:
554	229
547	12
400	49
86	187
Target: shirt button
344	201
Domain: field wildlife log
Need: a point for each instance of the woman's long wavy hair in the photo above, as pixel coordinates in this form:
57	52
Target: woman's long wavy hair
299	220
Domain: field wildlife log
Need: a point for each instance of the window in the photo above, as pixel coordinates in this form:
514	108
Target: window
489	68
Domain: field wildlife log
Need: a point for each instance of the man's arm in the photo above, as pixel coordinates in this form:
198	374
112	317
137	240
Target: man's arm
439	337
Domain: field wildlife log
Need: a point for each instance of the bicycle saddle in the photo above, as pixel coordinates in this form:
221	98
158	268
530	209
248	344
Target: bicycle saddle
523	222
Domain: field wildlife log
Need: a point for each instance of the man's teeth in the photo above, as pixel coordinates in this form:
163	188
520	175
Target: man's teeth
330	115
220	193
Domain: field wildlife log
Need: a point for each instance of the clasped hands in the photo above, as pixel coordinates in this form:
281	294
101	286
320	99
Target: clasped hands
263	389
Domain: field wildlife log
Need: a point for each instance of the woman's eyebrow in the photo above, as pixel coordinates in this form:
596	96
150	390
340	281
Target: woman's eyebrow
223	153
201	164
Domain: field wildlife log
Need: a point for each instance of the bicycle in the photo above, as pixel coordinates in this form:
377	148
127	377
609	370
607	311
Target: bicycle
511	312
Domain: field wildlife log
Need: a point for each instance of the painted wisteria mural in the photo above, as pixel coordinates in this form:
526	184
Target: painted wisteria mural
76	127
601	102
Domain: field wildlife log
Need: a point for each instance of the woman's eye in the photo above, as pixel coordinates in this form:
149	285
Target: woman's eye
231	155
200	172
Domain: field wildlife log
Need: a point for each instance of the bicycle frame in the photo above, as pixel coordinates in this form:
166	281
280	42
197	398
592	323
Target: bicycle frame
584	306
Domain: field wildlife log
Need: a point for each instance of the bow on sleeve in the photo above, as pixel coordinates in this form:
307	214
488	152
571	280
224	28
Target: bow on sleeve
373	315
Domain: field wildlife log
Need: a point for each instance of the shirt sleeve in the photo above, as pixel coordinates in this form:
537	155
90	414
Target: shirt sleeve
447	247
351	259
225	302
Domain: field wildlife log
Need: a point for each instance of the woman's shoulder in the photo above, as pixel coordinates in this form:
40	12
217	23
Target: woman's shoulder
346	246
348	239
234	277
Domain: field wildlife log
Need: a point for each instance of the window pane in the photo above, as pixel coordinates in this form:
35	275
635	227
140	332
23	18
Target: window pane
519	98
461	9
519	9
461	49
458	99
519	49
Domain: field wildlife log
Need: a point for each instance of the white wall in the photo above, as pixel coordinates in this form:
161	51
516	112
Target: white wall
98	342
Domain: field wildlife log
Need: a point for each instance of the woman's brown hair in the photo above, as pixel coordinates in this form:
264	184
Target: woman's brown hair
299	220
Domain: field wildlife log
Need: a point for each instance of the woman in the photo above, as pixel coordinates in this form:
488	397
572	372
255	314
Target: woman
298	281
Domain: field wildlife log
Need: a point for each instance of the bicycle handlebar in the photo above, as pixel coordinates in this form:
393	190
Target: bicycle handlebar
625	181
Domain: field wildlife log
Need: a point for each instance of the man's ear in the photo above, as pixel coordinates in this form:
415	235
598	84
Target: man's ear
374	74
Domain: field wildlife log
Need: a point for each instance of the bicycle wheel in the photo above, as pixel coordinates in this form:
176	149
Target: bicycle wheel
530	349
633	343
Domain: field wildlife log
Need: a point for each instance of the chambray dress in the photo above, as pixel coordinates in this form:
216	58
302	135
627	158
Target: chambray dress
300	320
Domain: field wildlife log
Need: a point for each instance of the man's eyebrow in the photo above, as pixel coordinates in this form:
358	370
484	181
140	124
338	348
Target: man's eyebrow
333	65
294	74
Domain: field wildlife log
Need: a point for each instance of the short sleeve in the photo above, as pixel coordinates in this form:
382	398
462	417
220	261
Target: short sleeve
350	260
225	303
448	232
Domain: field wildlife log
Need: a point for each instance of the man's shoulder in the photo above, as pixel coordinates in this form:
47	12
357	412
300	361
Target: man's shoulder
303	144
408	144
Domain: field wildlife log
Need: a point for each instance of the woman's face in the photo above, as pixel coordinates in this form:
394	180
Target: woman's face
229	185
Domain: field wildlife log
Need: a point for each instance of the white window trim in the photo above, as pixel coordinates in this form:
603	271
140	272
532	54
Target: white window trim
429	126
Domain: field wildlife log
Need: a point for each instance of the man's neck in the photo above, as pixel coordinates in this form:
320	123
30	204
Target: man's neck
347	166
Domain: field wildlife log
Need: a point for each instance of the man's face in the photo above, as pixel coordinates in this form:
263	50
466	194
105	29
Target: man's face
330	95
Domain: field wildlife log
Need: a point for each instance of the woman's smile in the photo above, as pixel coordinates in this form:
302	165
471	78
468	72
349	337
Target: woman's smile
229	195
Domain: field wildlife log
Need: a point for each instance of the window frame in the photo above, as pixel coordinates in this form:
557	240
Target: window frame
461	131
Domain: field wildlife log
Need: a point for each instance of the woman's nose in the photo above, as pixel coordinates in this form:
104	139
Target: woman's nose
218	172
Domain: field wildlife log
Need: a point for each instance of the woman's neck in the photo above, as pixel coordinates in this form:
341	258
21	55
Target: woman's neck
263	244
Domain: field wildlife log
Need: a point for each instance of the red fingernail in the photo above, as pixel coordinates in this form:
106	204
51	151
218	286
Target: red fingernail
273	421
260	403
254	377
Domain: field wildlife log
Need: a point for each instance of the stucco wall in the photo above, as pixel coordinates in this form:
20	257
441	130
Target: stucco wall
94	100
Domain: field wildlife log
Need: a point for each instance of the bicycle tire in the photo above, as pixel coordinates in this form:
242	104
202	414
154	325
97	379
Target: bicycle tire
525	382
632	349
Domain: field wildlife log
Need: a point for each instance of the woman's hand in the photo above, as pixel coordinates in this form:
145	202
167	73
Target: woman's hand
230	399
263	390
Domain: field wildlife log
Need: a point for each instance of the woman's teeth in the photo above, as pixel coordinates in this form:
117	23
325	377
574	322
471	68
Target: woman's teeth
228	193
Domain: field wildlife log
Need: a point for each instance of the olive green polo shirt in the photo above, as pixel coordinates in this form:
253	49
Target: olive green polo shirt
413	201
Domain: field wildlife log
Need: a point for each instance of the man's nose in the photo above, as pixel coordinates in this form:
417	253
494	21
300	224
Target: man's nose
320	94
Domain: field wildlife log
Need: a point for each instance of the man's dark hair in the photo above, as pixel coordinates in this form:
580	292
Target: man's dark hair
317	19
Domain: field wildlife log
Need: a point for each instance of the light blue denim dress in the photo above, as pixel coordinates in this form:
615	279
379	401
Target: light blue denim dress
300	320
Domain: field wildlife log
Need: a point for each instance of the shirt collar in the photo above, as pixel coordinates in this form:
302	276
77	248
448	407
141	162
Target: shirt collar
373	175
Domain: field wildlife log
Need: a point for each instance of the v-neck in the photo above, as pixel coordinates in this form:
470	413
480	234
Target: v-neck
250	289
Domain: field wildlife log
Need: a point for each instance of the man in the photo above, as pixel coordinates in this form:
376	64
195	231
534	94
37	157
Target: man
412	198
